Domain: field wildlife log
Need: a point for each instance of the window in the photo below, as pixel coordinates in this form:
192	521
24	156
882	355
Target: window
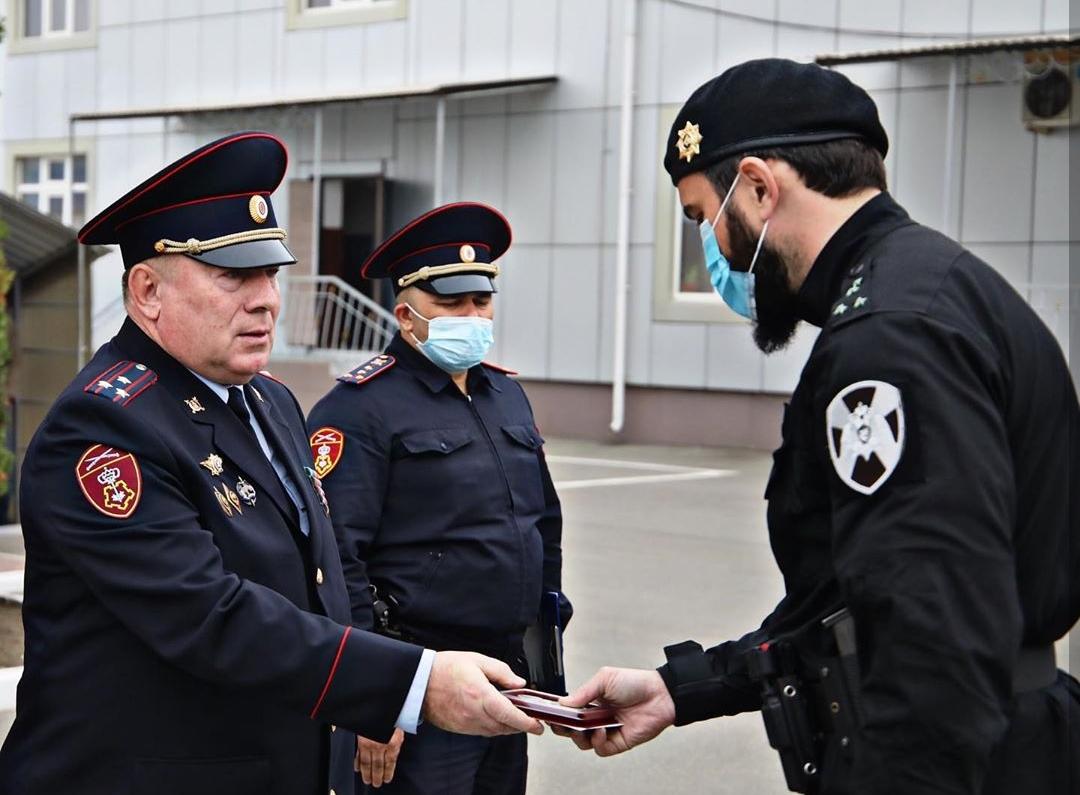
52	24
681	286
55	17
321	13
54	185
690	278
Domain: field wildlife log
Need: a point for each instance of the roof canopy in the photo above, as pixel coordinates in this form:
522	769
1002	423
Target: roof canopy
449	90
968	47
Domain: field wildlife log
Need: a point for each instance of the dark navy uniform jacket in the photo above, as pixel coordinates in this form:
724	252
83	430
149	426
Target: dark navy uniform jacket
196	645
967	551
444	501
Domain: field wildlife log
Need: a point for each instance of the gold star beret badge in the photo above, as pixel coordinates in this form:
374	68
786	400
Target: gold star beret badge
689	143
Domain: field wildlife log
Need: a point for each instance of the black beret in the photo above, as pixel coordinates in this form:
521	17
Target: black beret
212	204
768	103
450	250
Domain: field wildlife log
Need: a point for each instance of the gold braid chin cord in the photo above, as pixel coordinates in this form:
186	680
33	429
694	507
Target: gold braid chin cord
193	246
430	271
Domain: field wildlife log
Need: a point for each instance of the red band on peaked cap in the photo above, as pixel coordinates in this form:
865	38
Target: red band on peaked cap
252	161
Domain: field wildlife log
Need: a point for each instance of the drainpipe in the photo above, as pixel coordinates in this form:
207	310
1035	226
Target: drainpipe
622	243
80	273
950	124
440	149
316	191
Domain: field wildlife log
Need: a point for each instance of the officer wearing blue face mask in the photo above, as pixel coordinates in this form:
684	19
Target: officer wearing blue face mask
735	287
922	505
448	524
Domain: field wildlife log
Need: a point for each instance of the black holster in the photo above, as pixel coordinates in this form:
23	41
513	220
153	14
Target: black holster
809	699
385	606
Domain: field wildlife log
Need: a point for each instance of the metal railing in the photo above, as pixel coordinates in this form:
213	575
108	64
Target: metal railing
323	313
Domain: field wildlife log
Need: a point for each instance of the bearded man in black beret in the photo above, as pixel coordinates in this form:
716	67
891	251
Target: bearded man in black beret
922	506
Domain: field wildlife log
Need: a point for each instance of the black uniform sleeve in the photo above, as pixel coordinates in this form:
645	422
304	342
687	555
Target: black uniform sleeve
925	562
550	527
355	490
708	683
162	576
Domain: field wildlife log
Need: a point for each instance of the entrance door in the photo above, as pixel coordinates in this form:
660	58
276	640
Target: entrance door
353	219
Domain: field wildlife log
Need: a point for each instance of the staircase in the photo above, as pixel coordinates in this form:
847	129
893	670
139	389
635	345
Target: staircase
326	327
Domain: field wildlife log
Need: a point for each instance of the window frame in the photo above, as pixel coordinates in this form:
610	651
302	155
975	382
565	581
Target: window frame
67	39
343	12
46	188
669	302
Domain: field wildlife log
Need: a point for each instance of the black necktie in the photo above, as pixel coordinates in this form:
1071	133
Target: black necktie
239	408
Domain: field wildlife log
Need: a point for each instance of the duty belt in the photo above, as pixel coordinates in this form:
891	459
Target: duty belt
506	647
1036	668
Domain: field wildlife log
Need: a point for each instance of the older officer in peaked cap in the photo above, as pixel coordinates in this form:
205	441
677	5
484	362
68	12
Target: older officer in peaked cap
923	503
187	622
445	513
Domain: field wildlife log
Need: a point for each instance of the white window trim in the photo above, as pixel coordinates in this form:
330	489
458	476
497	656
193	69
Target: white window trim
53	149
50	40
670	303
299	17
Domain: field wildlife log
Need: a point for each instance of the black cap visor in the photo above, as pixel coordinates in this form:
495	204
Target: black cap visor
253	254
457	284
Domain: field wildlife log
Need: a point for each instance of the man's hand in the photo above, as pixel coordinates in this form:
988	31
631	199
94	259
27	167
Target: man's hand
642	704
460	696
375	762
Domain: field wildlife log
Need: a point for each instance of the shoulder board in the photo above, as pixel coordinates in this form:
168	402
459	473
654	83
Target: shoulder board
855	299
122	383
499	369
272	377
368	370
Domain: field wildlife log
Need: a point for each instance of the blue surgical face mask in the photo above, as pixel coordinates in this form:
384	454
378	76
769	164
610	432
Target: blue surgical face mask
455	344
735	287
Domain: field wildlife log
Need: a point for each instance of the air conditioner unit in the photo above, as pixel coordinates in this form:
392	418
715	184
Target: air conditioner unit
1051	88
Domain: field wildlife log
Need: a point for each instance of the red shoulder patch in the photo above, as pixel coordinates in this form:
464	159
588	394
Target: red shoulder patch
122	383
327	445
499	368
110	480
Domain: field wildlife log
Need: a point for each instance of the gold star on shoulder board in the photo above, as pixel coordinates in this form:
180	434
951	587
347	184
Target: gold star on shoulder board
689	143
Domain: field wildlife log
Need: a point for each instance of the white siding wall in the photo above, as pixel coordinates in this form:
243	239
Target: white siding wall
549	158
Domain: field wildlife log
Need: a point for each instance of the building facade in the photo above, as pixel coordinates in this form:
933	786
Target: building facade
390	106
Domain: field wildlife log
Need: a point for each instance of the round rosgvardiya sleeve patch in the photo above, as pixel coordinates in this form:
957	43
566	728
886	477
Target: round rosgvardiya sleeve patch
865	429
110	480
327	445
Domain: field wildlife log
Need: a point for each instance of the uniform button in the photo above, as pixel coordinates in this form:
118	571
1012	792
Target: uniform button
443	445
332	792
318	577
333	728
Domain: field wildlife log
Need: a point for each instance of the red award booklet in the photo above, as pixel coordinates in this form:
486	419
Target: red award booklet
546	707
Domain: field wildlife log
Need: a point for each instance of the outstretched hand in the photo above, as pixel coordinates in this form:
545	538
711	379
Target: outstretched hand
642	704
461	696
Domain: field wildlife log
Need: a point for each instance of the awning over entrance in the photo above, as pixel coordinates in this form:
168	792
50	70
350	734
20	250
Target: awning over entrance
952	48
460	90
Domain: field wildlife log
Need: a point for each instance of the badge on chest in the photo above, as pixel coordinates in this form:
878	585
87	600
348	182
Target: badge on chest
230	498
